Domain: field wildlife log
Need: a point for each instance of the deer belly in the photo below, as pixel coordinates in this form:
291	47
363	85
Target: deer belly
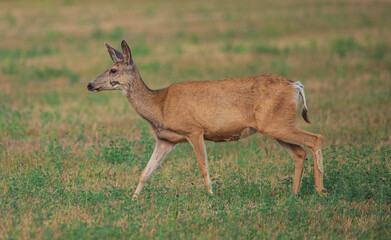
229	136
169	136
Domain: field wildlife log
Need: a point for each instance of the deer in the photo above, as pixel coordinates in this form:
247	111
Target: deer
215	110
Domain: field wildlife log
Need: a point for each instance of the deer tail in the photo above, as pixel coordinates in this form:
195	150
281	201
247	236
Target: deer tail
300	87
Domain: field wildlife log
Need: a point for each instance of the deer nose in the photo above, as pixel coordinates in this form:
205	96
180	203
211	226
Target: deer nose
89	86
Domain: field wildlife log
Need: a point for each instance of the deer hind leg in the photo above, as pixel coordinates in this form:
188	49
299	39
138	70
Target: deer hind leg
160	151
313	141
198	144
298	155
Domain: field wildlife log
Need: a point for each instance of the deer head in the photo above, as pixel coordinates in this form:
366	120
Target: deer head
119	75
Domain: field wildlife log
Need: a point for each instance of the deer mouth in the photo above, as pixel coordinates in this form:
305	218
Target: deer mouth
97	89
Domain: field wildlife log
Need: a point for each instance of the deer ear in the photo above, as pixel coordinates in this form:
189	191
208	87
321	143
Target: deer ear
126	52
115	55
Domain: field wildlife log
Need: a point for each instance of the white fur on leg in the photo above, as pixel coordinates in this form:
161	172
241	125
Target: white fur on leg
319	160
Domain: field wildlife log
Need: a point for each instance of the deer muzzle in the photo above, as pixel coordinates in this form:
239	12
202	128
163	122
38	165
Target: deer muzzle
89	87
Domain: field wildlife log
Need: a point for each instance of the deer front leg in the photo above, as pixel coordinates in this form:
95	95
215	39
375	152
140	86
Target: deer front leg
198	144
161	149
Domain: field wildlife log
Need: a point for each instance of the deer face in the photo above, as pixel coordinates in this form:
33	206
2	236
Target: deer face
117	77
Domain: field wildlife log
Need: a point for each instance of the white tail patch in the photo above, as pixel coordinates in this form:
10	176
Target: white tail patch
300	90
319	160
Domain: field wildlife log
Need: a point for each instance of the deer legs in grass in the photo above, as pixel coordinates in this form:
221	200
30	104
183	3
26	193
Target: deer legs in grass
198	144
160	151
298	155
290	140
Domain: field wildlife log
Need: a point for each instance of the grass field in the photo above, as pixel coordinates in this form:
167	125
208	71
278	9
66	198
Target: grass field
70	159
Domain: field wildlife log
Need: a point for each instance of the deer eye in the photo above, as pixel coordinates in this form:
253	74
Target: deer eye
113	70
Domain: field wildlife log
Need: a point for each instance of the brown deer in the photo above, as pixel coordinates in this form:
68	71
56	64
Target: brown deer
219	110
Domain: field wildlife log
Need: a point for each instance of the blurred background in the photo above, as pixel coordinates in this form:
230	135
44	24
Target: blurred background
50	50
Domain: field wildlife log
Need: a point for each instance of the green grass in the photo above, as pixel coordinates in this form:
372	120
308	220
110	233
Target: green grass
71	159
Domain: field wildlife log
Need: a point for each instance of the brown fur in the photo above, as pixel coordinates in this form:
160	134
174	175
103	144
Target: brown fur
220	110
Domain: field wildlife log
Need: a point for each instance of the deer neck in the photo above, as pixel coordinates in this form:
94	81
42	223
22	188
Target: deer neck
144	100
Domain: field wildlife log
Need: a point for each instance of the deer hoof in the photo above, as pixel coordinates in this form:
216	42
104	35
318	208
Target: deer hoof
322	192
